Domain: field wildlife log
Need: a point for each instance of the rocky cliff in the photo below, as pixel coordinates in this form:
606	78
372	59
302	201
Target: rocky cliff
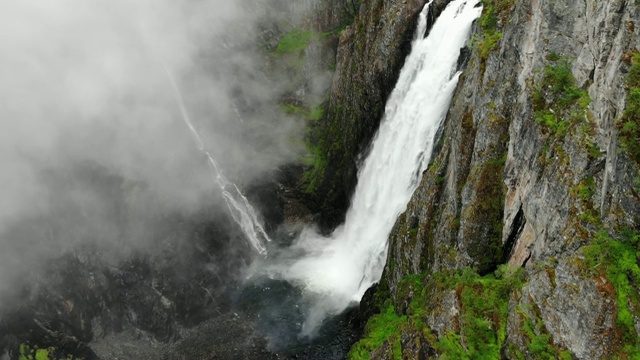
522	239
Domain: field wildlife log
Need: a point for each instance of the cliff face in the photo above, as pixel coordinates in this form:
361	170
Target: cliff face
530	171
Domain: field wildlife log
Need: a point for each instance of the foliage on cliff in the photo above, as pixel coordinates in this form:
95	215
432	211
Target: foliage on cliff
494	15
617	259
557	101
484	302
629	124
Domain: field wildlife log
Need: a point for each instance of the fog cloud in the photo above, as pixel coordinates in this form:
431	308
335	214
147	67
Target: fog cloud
91	130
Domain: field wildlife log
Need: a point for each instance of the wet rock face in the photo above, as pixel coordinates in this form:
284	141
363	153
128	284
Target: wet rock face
504	186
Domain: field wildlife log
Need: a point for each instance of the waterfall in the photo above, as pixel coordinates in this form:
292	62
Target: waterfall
339	269
239	207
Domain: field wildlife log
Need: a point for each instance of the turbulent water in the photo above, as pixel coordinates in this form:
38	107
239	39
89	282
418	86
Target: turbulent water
337	270
241	210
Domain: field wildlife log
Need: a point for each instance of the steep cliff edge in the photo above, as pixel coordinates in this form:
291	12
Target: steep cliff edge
536	168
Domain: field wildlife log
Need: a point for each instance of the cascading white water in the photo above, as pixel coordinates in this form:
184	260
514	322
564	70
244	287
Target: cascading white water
239	207
339	269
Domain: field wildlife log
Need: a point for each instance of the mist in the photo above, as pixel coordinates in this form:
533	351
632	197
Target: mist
92	144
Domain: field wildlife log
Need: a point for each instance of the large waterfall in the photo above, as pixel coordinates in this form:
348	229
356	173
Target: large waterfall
339	269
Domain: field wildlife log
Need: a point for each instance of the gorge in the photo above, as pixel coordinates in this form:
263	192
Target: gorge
503	224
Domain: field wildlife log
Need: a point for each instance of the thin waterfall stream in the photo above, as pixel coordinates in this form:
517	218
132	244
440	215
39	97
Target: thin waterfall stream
336	271
241	210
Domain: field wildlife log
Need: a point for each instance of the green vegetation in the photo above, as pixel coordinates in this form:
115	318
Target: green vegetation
321	141
561	108
28	352
380	328
629	124
314	114
617	259
539	343
494	16
485	213
488	44
295	42
290	55
583	192
557	101
315	159
483	314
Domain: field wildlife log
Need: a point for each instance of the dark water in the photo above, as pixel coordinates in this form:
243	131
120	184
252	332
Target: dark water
278	312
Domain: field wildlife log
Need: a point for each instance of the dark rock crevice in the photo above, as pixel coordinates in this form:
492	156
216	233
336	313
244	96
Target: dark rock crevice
516	230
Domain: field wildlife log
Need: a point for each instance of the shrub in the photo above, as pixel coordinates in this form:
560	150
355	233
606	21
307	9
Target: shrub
494	14
558	102
484	308
380	328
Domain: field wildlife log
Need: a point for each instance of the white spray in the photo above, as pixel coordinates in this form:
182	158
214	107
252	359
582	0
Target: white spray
239	207
338	270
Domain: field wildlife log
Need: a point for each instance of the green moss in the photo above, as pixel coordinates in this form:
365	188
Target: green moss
397	349
559	83
33	352
539	340
293	109
316	113
315	159
617	259
488	43
380	328
295	42
450	347
629	124
553	56
485	217
42	354
494	16
514	353
583	192
585	189
558	102
483	314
